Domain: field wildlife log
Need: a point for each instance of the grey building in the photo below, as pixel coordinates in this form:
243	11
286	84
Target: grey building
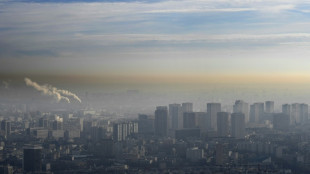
212	110
237	125
161	121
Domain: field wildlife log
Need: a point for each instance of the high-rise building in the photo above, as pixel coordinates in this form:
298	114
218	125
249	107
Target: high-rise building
146	124
256	112
97	133
295	113
222	124
187	107
242	107
43	122
161	120
304	113
32	162
299	113
212	110
281	121
57	125
203	121
119	131
269	106
237	125
6	127
286	109
189	120
122	130
175	120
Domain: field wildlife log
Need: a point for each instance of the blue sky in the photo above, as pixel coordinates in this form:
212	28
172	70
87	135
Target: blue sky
171	39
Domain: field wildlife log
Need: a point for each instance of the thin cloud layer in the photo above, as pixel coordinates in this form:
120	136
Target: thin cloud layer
75	37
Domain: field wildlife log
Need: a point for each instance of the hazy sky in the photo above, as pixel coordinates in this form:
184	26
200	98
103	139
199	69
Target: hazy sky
182	41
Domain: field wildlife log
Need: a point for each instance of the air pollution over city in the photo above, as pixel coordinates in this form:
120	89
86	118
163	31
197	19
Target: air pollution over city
154	86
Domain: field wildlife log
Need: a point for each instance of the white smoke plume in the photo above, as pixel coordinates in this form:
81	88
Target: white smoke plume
52	91
67	93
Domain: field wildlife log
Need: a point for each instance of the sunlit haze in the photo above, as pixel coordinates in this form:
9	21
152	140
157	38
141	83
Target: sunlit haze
157	45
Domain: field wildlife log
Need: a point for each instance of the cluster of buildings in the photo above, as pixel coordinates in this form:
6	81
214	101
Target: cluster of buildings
174	139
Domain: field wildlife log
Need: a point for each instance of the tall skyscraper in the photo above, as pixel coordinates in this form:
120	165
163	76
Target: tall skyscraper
57	125
122	130
286	109
256	112
146	124
304	113
242	107
295	113
212	110
6	127
187	107
222	124
32	159
175	120
269	106
237	125
299	113
43	122
161	121
189	120
203	121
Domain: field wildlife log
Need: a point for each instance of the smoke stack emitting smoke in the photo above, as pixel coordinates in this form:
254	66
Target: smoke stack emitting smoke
58	94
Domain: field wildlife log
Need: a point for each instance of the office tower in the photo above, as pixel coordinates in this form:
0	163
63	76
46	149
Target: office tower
132	128
146	124
295	113
32	159
222	124
237	125
57	125
8	130
242	107
175	120
299	113
187	107
43	122
97	133
281	121
212	110
6	127
120	131
269	106
87	124
203	121
286	109
189	120
161	121
304	113
256	112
